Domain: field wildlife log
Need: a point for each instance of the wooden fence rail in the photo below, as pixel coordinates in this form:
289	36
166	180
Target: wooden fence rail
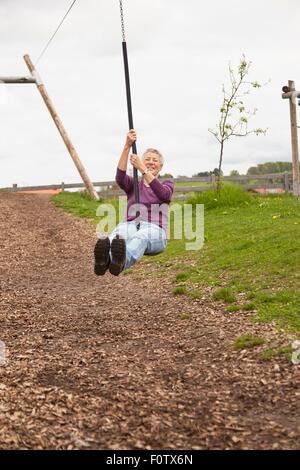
280	182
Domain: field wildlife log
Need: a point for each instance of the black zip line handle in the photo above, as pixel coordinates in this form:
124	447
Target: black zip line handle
130	120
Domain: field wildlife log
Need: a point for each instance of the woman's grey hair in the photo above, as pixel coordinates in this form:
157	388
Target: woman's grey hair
161	158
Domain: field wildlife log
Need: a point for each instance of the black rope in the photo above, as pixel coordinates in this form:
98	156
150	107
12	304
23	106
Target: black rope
129	107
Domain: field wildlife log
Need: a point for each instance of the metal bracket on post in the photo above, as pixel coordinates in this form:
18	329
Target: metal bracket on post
37	77
288	94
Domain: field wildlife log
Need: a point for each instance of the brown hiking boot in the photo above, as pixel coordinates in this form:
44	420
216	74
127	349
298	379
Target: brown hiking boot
101	253
118	255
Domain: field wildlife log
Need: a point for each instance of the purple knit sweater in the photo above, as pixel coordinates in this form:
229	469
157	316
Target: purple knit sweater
155	198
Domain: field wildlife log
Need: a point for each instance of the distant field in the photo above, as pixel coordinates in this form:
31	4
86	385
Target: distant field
192	184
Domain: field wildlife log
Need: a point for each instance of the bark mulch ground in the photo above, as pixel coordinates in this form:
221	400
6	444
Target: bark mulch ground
121	363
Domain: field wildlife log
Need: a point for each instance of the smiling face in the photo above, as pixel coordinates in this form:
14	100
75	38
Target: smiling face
153	162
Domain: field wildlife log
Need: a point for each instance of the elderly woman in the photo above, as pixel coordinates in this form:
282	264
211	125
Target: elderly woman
130	240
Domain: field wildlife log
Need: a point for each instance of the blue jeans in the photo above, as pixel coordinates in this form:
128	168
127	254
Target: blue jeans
150	239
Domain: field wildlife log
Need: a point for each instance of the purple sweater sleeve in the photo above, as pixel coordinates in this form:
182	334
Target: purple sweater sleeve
162	190
124	181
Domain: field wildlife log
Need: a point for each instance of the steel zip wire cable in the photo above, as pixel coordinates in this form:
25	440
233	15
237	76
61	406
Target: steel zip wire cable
52	37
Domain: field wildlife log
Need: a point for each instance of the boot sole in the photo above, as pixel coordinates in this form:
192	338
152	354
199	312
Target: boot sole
118	254
101	253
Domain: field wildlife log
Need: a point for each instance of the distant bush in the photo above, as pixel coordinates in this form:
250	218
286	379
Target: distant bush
230	195
270	167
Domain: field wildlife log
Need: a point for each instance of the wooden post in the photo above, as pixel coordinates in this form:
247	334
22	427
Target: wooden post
286	183
292	94
213	181
294	135
61	129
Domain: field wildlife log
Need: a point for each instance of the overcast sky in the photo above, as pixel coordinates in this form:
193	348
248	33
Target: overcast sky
178	55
